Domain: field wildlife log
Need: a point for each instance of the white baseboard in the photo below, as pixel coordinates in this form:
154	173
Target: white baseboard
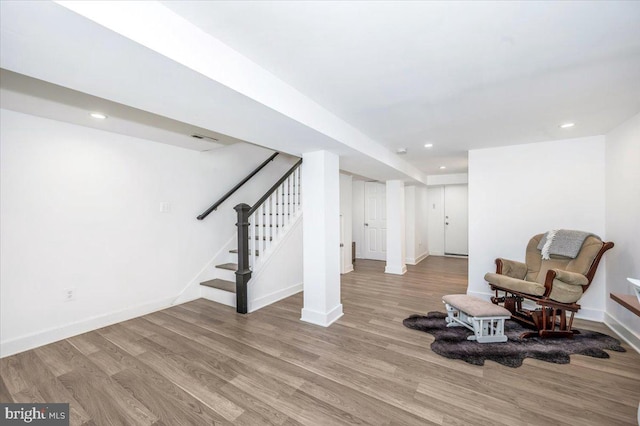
321	318
348	268
415	261
263	301
590	314
436	253
396	270
624	333
24	343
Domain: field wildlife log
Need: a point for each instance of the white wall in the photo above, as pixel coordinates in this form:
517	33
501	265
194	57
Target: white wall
346	215
435	214
281	273
81	210
422	216
518	191
416	224
410	224
357	211
623	224
450	179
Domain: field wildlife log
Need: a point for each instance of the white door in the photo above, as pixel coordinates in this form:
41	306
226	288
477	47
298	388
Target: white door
342	244
456	220
375	221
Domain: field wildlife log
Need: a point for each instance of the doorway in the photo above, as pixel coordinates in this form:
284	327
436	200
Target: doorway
375	221
448	220
456	220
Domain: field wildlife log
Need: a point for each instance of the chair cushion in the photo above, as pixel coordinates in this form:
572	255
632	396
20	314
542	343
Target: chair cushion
537	268
528	287
565	293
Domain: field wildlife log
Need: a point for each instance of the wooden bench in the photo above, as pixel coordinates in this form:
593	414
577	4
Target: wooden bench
485	319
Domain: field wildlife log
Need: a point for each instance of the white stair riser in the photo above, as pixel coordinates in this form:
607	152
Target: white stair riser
217	295
225	274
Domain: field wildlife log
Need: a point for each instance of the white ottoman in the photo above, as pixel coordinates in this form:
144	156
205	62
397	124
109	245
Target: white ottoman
485	319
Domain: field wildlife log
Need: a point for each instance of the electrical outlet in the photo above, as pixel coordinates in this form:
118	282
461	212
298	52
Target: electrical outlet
165	207
70	294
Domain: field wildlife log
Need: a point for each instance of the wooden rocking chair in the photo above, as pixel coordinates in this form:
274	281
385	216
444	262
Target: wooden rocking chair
555	285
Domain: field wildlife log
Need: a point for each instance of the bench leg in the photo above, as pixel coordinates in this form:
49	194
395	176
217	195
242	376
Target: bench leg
489	330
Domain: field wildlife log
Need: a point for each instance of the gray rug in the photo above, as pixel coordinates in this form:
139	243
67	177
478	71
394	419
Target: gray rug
452	343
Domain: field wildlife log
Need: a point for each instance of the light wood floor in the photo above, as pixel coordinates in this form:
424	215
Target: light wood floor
201	363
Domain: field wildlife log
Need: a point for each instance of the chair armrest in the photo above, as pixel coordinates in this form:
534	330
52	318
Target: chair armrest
572	278
511	268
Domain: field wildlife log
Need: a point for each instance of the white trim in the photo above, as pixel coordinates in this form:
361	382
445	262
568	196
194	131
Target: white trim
436	253
263	301
395	270
34	340
320	318
412	261
623	332
348	268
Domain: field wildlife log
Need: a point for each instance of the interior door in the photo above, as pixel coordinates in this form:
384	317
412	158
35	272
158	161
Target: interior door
375	221
456	220
342	244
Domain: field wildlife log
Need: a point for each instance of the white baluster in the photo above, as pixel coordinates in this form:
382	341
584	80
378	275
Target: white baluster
274	219
299	188
252	241
288	200
261	229
281	198
270	229
294	199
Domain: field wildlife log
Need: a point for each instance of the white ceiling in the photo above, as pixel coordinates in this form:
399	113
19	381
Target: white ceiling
460	75
358	78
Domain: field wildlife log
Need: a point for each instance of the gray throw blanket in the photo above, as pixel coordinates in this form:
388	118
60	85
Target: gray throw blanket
562	242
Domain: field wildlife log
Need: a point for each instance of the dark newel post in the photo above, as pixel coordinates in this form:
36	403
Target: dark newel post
243	274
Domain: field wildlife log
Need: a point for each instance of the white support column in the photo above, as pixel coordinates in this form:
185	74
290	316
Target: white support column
395	228
410	224
321	238
346	205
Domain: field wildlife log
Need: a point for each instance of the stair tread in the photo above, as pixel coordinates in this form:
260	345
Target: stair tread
236	251
221	285
229	266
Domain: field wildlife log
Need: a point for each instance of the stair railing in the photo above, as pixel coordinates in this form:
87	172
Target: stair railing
215	205
259	226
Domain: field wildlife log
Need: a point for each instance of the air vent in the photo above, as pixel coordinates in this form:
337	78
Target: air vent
209	138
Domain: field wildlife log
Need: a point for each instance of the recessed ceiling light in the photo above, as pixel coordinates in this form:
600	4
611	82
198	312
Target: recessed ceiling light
443	167
98	115
401	151
567	125
428	145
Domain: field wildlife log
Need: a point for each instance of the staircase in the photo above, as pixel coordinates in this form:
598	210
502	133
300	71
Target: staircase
260	228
